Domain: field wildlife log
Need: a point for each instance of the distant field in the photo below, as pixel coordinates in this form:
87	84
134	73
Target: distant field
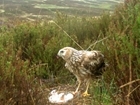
1	10
32	9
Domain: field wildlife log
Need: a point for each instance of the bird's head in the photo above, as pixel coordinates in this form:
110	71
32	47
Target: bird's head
65	52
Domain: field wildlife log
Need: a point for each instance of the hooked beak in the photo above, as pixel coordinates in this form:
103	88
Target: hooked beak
58	56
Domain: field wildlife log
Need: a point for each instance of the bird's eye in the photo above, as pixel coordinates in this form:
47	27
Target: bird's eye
61	51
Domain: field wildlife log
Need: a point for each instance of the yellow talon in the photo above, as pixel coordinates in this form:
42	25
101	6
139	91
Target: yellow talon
85	94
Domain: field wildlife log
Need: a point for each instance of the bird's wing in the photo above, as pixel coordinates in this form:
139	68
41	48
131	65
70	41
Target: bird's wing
93	61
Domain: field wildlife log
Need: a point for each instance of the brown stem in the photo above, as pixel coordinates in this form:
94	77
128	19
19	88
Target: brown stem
130	79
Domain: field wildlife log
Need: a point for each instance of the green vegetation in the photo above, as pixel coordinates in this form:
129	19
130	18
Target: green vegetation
29	68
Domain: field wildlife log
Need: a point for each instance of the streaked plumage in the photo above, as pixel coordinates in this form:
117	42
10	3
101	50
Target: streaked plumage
85	65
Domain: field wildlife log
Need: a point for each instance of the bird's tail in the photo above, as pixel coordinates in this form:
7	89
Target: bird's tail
100	69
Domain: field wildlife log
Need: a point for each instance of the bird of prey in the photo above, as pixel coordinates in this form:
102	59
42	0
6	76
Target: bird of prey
85	65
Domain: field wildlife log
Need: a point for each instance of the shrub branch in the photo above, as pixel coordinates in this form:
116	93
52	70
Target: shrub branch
94	44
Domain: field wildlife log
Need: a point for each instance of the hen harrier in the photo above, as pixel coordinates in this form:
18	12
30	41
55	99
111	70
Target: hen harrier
85	65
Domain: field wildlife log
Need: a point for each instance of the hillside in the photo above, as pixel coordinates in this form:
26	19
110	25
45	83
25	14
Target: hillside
33	9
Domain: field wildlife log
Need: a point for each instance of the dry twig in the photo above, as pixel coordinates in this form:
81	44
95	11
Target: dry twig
96	43
66	34
131	82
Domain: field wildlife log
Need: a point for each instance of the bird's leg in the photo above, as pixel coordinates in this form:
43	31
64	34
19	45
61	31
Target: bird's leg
86	91
79	83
